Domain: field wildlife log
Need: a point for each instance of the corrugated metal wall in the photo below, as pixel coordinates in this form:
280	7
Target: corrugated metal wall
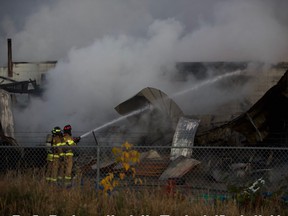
6	115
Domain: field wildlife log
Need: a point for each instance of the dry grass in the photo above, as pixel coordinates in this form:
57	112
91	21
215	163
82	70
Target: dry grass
27	193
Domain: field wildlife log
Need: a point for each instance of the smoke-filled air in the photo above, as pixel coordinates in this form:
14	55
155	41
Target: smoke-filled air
108	50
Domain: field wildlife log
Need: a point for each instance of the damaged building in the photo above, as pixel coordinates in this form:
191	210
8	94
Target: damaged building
260	120
18	81
263	124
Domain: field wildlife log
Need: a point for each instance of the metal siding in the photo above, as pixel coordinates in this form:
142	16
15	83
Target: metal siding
7	120
184	137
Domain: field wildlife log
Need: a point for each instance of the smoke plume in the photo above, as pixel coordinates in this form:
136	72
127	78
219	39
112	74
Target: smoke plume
108	50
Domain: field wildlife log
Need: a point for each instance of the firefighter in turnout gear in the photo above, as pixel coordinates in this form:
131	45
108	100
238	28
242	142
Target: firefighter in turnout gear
54	155
70	142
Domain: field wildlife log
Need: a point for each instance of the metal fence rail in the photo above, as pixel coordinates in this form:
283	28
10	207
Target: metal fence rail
210	170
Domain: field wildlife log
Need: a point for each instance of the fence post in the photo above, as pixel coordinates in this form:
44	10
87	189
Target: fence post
98	161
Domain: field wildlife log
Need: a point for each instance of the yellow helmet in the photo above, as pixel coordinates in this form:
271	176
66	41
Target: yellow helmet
56	130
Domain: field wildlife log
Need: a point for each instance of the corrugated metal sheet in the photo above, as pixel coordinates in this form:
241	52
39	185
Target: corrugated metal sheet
178	168
155	97
6	120
184	137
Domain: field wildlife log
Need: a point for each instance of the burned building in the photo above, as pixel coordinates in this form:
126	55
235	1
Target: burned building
264	124
8	156
258	119
18	80
261	120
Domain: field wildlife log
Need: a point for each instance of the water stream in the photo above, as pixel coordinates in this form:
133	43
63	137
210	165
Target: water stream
115	121
207	82
194	88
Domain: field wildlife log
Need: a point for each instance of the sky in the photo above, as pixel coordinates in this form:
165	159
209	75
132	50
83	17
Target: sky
108	50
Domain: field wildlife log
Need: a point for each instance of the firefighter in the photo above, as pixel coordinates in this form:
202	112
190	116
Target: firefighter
70	142
54	154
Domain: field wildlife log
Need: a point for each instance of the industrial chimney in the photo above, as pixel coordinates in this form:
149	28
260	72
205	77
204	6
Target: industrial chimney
10	63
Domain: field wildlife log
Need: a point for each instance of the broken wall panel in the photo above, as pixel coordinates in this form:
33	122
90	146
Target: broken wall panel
7	120
178	168
184	137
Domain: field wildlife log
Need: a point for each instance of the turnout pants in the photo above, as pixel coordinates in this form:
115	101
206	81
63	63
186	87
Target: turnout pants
61	167
68	167
52	167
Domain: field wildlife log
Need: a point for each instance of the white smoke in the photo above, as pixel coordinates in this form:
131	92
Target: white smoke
85	87
241	31
107	51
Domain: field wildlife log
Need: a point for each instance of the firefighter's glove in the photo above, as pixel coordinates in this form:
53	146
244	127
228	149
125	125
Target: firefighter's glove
77	139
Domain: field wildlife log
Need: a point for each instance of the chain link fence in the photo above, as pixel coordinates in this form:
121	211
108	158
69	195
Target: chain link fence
207	170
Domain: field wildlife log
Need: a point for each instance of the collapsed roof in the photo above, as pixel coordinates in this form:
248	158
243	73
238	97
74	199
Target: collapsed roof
155	97
157	124
258	125
267	117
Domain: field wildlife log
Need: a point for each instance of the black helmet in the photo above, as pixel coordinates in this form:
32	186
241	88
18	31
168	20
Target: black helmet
56	130
67	129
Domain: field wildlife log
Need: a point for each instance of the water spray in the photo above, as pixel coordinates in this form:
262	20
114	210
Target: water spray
116	120
210	81
176	94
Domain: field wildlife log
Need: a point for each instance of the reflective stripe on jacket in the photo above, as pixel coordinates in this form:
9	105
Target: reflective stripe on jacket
51	157
57	141
69	142
68	139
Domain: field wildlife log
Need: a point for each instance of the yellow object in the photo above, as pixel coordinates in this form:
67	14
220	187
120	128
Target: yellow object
68	161
53	158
